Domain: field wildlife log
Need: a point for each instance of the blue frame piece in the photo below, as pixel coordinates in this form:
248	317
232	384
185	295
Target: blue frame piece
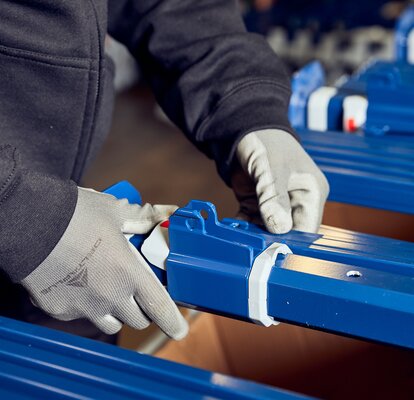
337	280
375	172
345	282
40	363
209	262
389	87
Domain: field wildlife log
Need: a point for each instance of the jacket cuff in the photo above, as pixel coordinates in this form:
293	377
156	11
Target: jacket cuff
253	106
35	211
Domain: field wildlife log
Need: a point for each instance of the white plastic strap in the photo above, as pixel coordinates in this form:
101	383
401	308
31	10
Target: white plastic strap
318	105
258	280
410	50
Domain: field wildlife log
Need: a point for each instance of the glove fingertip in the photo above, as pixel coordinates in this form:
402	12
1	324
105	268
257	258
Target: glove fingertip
182	331
280	225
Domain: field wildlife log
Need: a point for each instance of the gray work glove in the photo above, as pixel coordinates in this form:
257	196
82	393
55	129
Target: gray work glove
278	184
95	273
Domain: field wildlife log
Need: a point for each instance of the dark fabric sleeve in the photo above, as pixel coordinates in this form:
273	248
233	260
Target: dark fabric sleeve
214	80
35	210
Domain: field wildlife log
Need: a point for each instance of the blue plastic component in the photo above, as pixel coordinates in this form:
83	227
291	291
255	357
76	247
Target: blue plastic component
390	92
404	27
335	113
210	261
389	87
369	171
124	190
40	363
355	284
304	83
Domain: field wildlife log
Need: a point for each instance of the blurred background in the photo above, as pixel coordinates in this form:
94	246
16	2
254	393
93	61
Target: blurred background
147	150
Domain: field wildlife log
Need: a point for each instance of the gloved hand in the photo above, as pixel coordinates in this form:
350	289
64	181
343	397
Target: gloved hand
94	272
278	184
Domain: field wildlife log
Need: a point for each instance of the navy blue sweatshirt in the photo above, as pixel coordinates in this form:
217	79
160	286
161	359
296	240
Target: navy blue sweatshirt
214	80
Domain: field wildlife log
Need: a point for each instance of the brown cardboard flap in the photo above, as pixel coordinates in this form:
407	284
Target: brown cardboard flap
202	347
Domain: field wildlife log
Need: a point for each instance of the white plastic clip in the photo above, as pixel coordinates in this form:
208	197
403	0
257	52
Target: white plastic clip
258	280
318	106
410	44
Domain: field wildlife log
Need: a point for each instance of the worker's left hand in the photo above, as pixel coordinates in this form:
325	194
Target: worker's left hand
278	184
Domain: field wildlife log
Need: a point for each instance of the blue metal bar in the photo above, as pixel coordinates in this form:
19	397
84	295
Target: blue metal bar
349	283
375	172
39	363
337	280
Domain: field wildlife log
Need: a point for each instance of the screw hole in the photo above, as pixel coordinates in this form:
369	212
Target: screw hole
353	274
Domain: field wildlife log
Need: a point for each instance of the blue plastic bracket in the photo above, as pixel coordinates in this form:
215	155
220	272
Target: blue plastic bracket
207	255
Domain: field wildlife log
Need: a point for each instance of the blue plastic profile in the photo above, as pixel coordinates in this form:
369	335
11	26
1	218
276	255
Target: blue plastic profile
390	93
40	363
404	27
337	280
376	172
304	83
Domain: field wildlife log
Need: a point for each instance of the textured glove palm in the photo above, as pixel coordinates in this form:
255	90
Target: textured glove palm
95	273
278	184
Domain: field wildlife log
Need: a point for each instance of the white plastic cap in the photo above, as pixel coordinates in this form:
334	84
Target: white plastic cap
355	113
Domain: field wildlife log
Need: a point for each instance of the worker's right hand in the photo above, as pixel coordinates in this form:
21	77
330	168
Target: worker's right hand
94	272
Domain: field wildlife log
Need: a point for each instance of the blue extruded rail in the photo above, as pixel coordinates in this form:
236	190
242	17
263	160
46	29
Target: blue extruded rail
339	281
375	172
40	363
